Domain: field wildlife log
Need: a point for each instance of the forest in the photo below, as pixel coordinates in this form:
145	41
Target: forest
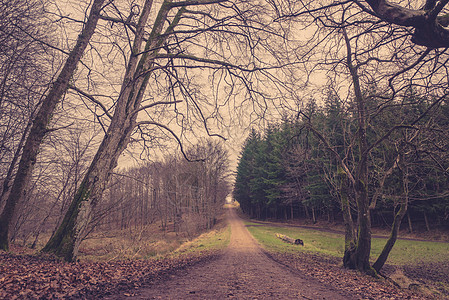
118	114
288	172
302	167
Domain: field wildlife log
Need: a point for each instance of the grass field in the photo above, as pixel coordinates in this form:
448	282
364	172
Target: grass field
315	241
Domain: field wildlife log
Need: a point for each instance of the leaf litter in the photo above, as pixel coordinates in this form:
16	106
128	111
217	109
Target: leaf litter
26	276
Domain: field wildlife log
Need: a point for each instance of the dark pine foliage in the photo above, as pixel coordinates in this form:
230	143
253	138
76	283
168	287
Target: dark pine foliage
287	172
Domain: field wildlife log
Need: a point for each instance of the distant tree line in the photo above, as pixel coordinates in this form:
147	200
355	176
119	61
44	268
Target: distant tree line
288	172
185	197
182	196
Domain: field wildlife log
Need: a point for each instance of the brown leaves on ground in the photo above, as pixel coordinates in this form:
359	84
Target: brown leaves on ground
329	270
40	277
25	276
436	272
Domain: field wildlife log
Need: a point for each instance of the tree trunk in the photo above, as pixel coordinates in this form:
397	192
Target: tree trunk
289	240
363	246
359	256
306	210
346	210
67	238
410	227
392	239
41	122
426	220
313	215
66	241
9	175
395	226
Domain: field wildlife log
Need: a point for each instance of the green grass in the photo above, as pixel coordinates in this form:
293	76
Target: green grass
210	241
412	252
404	251
314	241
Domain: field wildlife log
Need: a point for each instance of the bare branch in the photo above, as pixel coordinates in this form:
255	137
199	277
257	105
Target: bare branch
156	103
128	23
91	98
173	134
59	128
220	62
429	30
433	14
332	150
194	2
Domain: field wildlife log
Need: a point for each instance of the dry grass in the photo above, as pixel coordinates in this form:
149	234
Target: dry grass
150	241
136	243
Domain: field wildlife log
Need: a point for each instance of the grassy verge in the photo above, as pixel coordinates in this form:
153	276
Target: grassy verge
214	240
147	242
153	243
404	251
423	265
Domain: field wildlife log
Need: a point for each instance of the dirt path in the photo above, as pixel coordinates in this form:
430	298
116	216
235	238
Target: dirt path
242	272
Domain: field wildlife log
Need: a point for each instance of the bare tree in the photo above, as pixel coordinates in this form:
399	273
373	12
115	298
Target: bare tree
41	121
186	197
184	36
378	67
23	79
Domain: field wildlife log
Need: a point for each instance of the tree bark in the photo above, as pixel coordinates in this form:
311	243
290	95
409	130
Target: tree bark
426	220
41	122
410	227
67	238
393	237
358	257
9	175
430	28
346	210
66	241
395	226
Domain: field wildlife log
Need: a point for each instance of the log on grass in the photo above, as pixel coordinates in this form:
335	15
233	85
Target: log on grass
290	240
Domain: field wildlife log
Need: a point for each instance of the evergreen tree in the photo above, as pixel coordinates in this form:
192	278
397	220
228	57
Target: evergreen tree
245	173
